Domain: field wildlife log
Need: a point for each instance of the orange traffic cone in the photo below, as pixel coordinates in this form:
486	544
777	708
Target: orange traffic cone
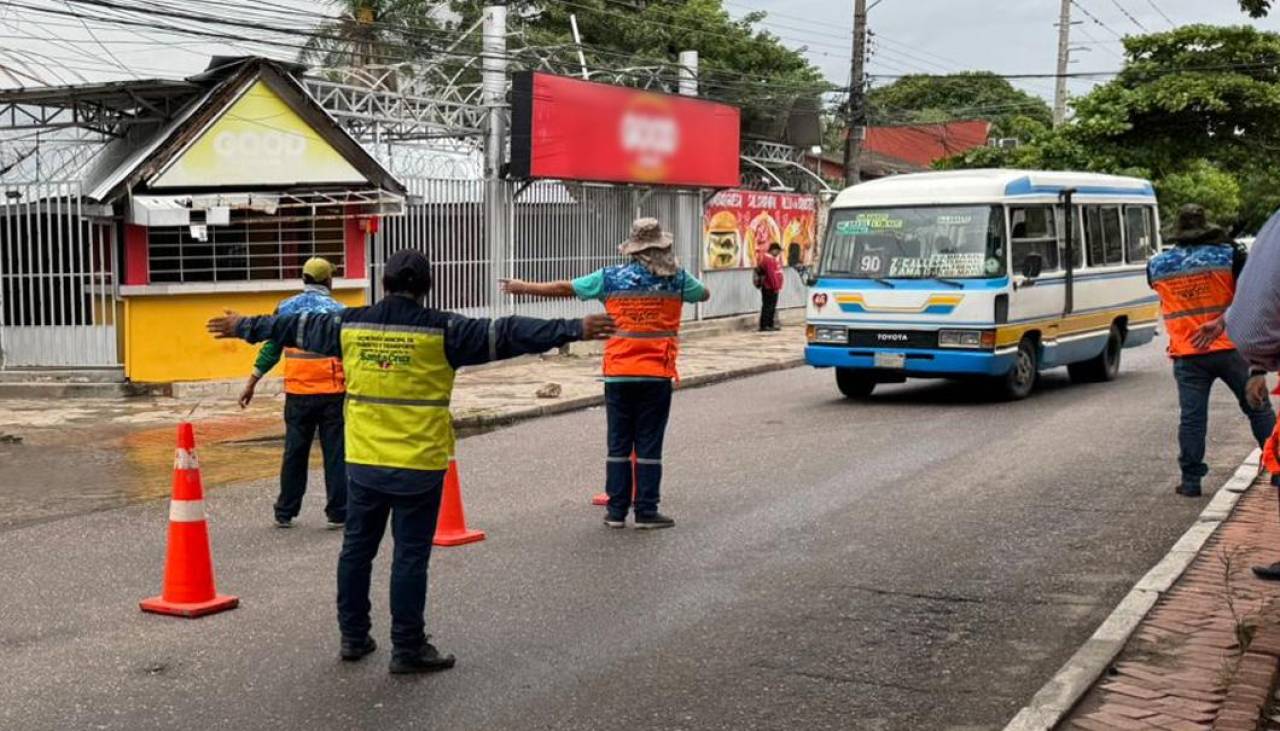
602	498
188	567
451	528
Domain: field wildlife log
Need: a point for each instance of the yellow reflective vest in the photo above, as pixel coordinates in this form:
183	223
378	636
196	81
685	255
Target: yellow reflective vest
384	428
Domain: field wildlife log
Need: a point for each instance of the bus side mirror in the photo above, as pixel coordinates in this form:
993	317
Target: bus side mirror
1032	265
809	277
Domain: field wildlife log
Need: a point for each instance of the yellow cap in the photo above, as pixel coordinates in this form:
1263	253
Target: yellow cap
318	269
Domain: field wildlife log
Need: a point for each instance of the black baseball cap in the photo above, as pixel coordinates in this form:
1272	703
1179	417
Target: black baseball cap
407	271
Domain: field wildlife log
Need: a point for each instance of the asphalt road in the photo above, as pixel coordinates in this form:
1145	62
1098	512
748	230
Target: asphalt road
924	561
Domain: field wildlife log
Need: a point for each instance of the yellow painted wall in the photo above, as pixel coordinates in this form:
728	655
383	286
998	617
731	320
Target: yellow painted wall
165	339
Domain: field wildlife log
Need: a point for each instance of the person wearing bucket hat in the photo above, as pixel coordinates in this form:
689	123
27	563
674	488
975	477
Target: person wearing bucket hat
645	295
400	358
1196	283
313	388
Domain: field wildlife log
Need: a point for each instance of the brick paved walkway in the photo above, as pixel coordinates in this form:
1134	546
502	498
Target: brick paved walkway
1174	672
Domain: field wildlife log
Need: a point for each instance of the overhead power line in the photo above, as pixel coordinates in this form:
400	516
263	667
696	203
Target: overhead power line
1129	15
1097	21
1162	13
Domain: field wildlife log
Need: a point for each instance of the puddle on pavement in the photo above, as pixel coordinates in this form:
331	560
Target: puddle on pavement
59	473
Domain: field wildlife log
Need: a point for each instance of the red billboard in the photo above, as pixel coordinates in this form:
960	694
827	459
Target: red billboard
579	130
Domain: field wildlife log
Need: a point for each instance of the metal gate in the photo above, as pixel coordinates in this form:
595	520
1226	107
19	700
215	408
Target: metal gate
57	279
554	230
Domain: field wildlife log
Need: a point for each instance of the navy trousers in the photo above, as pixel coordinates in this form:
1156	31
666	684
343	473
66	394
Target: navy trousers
637	413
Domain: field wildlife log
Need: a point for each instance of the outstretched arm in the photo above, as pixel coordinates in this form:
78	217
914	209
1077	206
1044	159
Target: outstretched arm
474	341
312	331
562	289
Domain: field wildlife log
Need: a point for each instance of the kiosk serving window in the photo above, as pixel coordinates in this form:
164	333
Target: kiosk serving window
251	246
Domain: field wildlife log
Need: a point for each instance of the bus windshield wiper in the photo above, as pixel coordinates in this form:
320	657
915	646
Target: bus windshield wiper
885	282
952	282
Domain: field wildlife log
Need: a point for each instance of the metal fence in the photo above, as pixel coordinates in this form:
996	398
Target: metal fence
57	279
553	230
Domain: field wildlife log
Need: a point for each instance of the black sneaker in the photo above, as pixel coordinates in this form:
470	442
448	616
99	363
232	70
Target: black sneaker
613	522
1270	573
653	521
353	650
284	522
1189	490
426	660
335	524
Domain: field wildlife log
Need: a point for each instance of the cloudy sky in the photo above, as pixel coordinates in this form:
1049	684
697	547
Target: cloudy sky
1006	36
910	36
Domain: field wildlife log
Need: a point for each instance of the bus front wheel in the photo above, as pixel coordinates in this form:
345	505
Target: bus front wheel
854	384
1021	378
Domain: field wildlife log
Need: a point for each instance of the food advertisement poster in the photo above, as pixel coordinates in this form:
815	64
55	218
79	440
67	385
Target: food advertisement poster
738	226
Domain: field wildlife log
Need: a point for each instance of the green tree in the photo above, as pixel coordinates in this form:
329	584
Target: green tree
372	32
1256	8
738	63
1191	107
1200	182
922	99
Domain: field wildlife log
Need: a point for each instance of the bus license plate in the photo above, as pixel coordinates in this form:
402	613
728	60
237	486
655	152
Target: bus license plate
891	360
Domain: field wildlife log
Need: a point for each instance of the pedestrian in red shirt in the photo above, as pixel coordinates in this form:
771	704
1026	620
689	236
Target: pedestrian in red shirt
768	276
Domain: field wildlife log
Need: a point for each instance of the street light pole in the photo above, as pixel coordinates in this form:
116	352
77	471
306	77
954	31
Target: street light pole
855	127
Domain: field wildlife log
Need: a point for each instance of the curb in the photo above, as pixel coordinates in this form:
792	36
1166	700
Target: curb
1057	697
488	421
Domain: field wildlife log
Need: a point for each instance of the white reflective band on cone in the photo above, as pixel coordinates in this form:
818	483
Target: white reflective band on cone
186	511
185	459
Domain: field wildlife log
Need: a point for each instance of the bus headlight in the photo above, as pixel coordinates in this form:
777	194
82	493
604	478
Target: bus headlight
975	339
835	334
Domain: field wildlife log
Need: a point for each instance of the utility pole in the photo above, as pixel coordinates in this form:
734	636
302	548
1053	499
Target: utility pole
688	73
497	195
1064	58
855	127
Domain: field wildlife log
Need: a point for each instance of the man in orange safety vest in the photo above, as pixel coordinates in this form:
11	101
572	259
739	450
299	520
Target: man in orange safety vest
1196	282
645	297
314	387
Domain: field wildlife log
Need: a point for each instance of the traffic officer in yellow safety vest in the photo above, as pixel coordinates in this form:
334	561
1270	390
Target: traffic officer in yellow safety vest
645	297
1196	282
400	358
314	388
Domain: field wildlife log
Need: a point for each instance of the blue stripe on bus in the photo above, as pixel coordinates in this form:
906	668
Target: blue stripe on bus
1023	186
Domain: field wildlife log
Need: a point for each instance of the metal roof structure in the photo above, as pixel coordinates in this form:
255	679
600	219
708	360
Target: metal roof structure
129	130
107	108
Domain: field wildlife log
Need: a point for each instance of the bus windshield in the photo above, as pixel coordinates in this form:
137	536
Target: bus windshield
927	242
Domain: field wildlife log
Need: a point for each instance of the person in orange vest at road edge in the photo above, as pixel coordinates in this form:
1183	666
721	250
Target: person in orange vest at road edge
313	386
1196	282
645	297
400	360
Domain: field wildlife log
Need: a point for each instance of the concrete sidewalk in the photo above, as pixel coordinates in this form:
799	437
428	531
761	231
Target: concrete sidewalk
1206	656
93	453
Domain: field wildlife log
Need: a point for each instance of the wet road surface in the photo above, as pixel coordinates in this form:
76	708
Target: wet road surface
923	561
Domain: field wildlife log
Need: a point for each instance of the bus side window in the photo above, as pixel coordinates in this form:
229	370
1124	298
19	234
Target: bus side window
1077	222
1113	235
1093	236
1103	235
1137	229
1034	230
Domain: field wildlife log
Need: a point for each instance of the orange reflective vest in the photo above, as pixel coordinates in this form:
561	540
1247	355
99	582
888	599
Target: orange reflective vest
647	340
1192	295
310	374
